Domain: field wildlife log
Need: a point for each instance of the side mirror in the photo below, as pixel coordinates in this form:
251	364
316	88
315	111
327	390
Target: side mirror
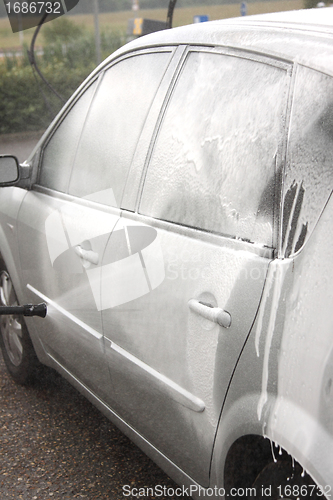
9	170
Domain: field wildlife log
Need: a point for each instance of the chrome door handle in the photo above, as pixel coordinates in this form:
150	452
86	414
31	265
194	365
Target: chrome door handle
87	255
207	311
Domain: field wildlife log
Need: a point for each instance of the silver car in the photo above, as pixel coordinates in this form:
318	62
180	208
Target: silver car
176	218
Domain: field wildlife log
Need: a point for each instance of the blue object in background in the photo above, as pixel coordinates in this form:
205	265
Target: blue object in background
200	19
243	9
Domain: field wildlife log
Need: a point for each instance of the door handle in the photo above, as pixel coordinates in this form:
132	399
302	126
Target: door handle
87	255
207	311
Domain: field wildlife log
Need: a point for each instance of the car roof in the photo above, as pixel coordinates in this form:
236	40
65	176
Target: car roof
303	36
320	20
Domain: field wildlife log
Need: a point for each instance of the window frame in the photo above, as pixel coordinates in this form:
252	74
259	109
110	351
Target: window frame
94	77
285	65
283	244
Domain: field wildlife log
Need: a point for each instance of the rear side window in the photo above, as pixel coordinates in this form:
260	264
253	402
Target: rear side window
213	165
113	126
309	174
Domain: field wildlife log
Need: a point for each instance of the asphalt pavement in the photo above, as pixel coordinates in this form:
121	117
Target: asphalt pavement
54	444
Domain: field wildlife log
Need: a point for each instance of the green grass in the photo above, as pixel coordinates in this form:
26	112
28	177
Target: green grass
118	20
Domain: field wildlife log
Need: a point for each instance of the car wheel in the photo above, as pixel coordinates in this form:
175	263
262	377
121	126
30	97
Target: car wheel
285	480
17	349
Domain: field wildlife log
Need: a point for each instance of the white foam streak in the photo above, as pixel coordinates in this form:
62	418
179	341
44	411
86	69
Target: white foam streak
66	313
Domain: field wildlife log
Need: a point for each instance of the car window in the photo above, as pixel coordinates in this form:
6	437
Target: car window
60	151
113	127
213	163
309	174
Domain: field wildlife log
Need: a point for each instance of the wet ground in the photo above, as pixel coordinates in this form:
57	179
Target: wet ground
55	445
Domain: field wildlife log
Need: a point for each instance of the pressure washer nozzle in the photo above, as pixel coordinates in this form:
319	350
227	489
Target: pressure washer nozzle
25	310
37	310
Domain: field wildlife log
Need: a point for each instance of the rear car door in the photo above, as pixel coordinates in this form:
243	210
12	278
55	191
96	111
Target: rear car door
195	247
68	216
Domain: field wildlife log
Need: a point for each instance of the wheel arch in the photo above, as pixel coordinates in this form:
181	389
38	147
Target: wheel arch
242	439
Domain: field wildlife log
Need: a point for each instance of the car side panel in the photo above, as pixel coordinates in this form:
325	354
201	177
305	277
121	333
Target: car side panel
170	366
61	243
282	387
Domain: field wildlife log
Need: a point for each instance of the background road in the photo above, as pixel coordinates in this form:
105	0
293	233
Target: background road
19	145
53	443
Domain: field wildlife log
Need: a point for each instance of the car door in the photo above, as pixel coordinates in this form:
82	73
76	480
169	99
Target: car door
193	253
68	216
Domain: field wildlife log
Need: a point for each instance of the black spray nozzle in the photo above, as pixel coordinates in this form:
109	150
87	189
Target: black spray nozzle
26	310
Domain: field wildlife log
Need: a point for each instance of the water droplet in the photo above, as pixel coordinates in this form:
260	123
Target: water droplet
274	459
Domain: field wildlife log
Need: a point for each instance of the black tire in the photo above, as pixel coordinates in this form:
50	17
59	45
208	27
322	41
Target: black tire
285	480
17	349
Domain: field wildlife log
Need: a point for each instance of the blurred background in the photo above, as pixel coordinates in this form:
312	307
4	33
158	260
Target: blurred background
68	48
